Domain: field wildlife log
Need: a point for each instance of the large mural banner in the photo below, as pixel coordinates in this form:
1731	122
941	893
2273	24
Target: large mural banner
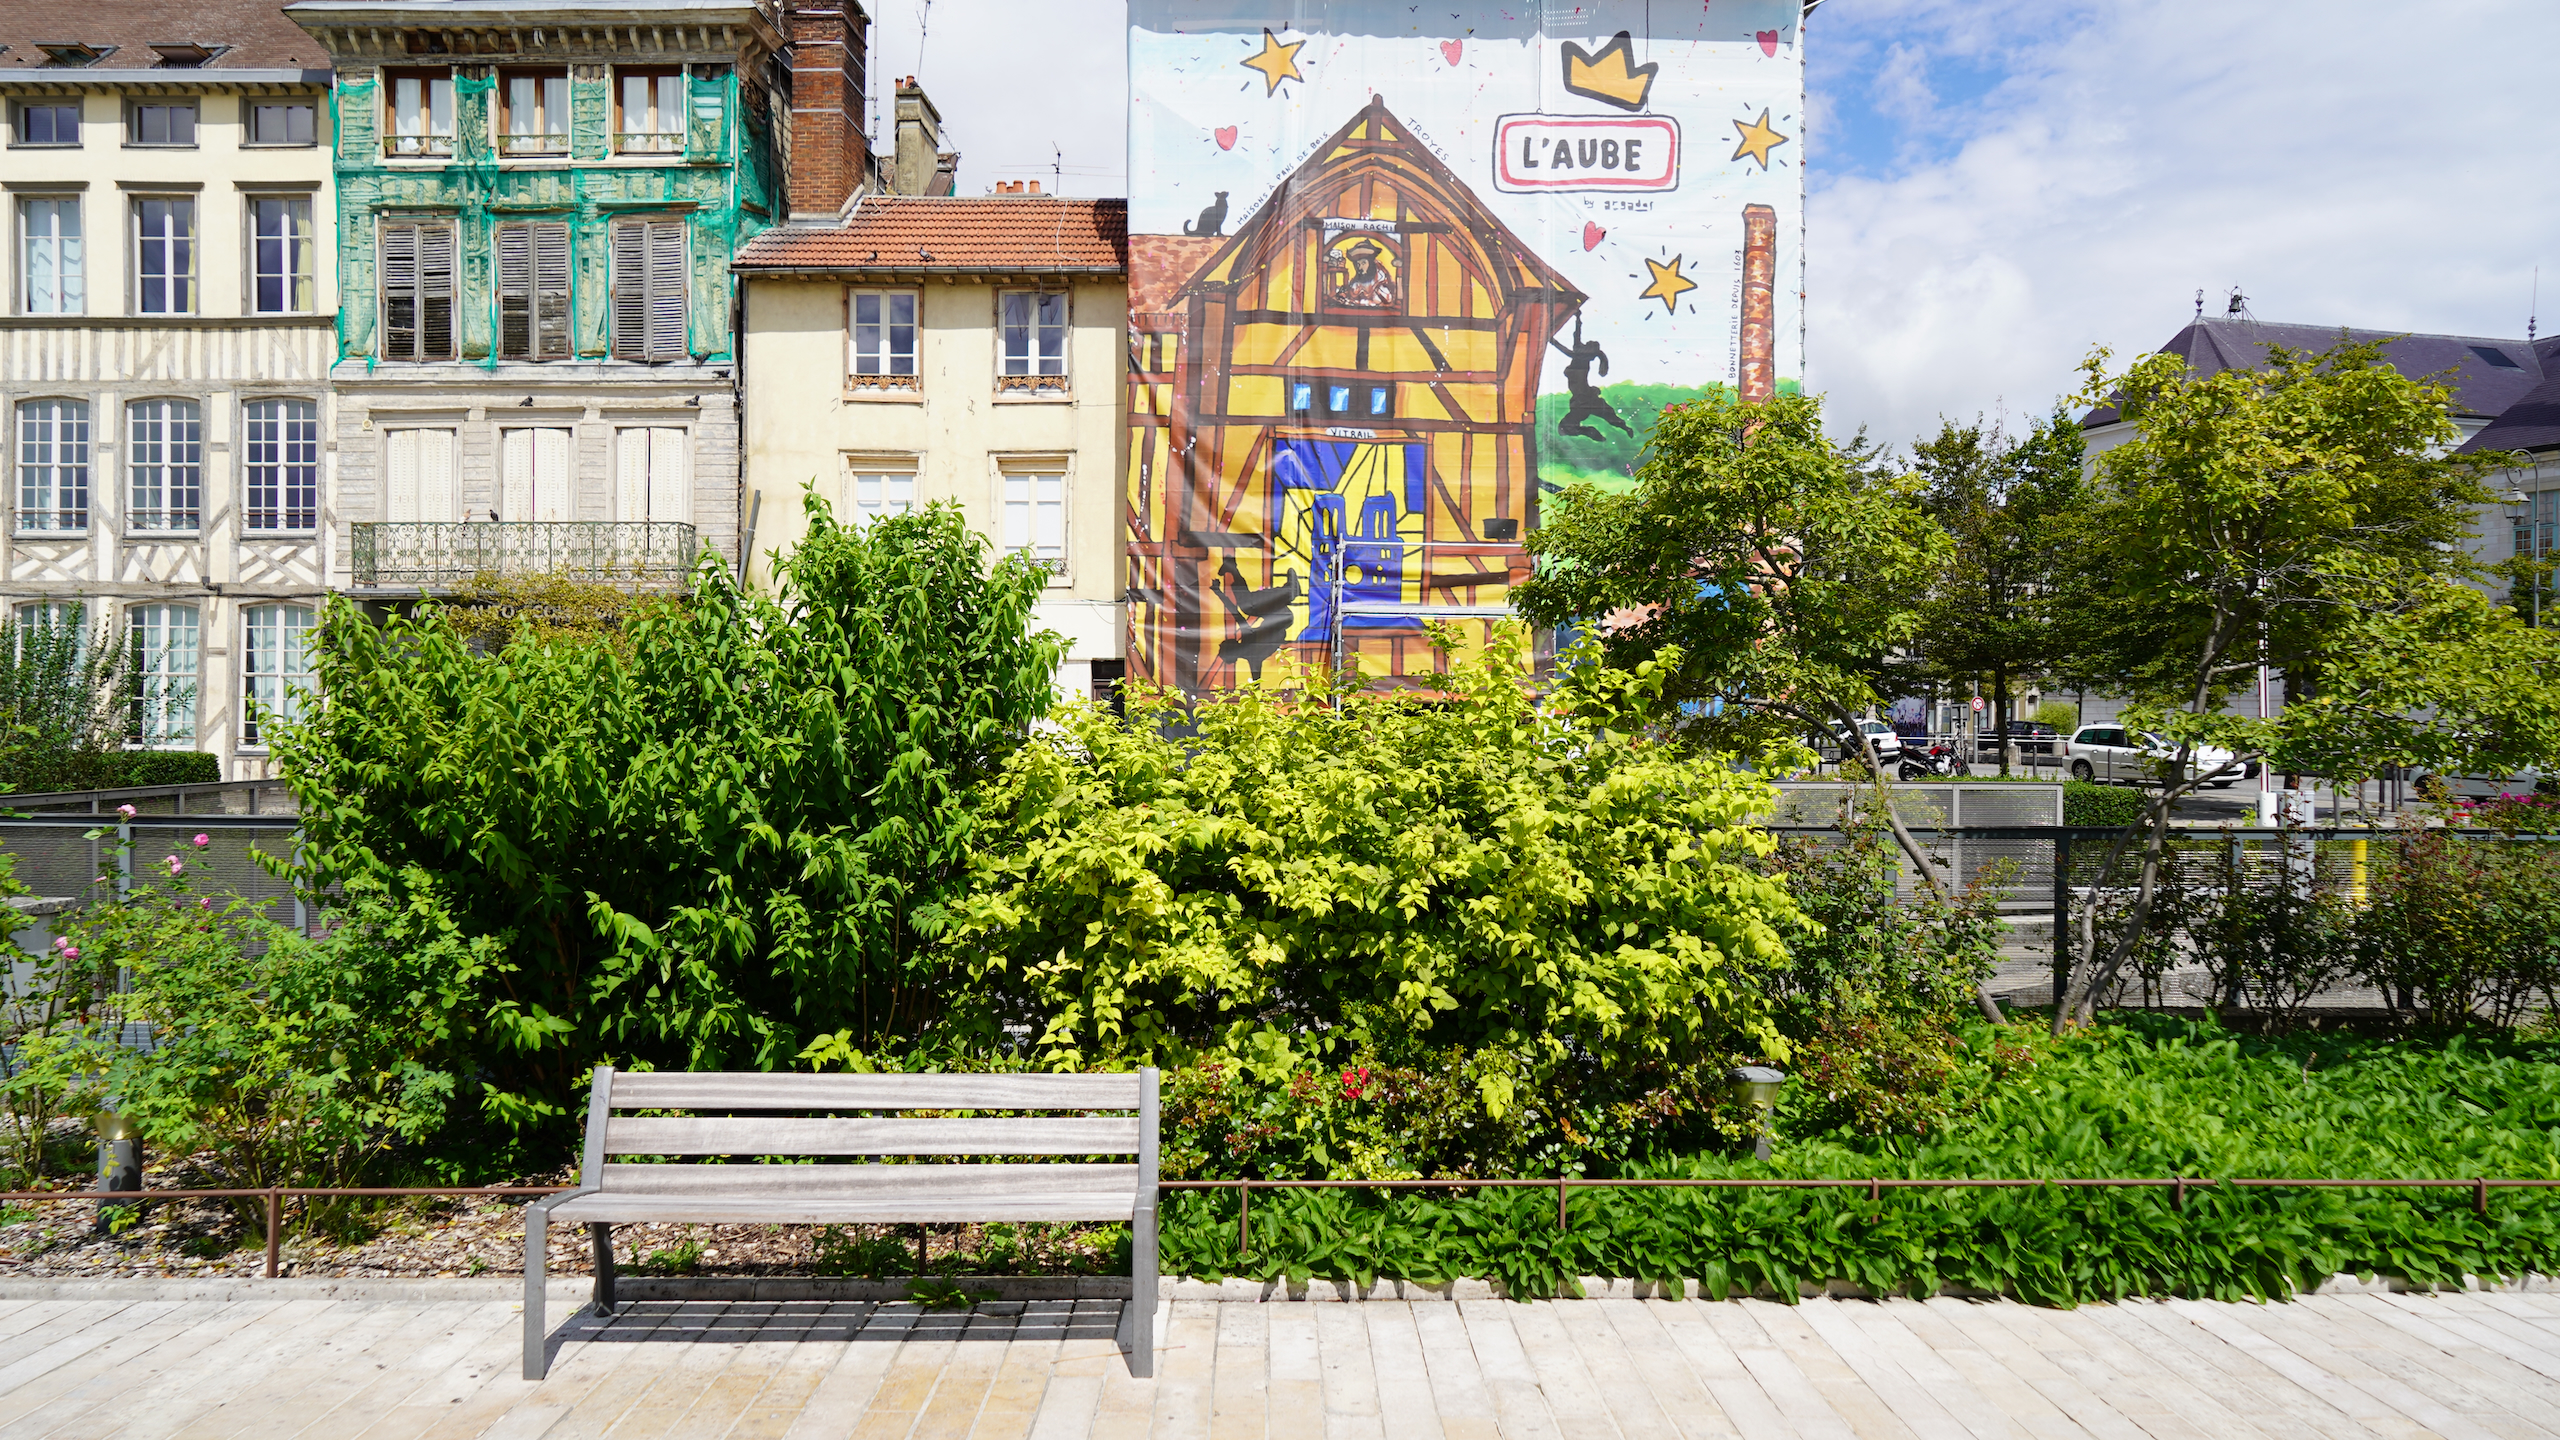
1398	272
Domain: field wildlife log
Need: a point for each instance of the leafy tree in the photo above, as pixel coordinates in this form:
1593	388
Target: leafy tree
1315	873
706	841
66	700
1999	501
2303	516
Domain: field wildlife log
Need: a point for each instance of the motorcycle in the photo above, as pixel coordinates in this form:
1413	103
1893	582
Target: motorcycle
1938	759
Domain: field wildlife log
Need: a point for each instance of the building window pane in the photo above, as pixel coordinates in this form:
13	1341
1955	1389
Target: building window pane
1034	340
53	465
48	124
537	114
282	248
164	248
281	441
51	258
284	122
164	664
884	339
165	439
169	123
877	495
650	111
421	115
1035	517
276	665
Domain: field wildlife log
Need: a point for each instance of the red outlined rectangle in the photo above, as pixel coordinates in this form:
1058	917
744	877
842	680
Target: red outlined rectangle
1524	149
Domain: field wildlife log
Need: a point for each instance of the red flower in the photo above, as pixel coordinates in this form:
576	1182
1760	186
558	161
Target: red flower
1355	1082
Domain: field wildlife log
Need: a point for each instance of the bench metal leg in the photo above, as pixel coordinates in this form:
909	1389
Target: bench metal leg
603	1235
1139	1320
537	1235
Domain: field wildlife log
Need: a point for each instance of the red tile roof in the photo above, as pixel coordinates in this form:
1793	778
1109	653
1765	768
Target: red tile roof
256	30
944	234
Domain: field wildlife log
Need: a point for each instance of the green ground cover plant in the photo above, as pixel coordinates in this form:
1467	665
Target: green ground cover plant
2134	1096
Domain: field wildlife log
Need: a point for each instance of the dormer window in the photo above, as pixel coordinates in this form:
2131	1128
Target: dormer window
185	54
72	55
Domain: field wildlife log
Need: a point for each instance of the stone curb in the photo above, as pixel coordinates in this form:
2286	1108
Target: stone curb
574	1290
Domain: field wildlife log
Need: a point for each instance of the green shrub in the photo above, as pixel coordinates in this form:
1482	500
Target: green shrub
2062	715
1306	879
46	772
2145	1096
2462	929
2085	802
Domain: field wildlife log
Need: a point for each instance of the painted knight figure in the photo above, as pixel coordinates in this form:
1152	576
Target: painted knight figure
1396	280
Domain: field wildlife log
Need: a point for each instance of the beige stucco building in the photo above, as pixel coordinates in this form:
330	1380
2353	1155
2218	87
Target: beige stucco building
943	348
165	348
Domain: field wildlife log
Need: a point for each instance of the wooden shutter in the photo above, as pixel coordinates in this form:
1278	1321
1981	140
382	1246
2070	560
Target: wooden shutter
399	292
551	291
666	290
435	292
515	301
670	476
437	499
630	292
551	472
400	474
631	474
515	472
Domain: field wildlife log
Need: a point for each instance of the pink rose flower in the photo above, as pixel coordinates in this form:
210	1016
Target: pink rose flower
176	864
125	810
203	840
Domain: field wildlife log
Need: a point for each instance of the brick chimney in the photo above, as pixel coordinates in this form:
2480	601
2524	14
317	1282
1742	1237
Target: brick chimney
830	153
923	167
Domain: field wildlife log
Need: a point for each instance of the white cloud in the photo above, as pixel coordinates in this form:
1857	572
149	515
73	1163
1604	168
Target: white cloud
2342	161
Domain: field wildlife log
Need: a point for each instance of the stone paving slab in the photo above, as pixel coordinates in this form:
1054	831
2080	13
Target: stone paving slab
2372	1363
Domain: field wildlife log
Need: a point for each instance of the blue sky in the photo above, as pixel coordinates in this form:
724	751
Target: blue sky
1999	185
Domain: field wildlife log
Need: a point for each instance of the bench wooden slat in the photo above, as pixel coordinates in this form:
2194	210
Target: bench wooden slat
671	1090
923	1183
885	1209
1046	1135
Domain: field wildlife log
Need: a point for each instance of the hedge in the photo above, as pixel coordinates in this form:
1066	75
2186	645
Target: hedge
2085	802
107	770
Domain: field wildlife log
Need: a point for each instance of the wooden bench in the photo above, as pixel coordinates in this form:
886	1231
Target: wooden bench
749	1114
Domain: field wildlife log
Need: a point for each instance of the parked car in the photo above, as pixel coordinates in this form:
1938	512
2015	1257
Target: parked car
2033	737
2527	781
2113	754
1888	744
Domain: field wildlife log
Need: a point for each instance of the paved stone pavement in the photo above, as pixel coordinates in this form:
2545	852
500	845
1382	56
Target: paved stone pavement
2471	1365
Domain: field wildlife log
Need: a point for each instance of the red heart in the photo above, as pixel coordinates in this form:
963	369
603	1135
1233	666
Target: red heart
1450	48
1226	137
1592	235
1768	42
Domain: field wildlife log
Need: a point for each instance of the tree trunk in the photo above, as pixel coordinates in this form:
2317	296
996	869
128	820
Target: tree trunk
2000	715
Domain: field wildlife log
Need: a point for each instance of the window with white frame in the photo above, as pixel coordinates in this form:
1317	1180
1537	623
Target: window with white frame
164	452
879	491
164	255
416	280
417	474
282	122
52	263
533	473
275	667
280	443
1032	329
881	350
164	670
649	290
53	466
280	254
1035	515
420	103
533	291
61	619
652	474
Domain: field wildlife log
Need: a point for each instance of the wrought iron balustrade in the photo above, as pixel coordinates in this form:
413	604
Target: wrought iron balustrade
437	552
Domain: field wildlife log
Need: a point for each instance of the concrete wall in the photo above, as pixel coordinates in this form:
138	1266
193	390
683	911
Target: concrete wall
805	425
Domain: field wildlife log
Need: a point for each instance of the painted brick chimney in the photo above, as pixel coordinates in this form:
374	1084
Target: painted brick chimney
830	153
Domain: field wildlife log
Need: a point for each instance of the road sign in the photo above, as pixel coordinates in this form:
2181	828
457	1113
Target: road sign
1977	704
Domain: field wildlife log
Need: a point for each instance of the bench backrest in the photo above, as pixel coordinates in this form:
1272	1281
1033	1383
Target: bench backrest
752	1113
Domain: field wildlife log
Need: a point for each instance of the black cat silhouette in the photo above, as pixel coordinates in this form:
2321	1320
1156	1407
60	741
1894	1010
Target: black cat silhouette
1213	221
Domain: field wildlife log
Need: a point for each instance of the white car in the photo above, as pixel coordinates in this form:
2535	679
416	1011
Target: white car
2111	753
1887	743
2477	787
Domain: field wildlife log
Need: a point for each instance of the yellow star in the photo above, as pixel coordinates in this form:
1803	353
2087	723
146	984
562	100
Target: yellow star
1757	140
1277	62
1668	284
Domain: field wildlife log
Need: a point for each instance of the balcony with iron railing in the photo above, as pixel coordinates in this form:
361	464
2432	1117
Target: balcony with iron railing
438	554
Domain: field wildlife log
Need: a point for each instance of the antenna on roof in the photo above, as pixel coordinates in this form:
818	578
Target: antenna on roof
2533	308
